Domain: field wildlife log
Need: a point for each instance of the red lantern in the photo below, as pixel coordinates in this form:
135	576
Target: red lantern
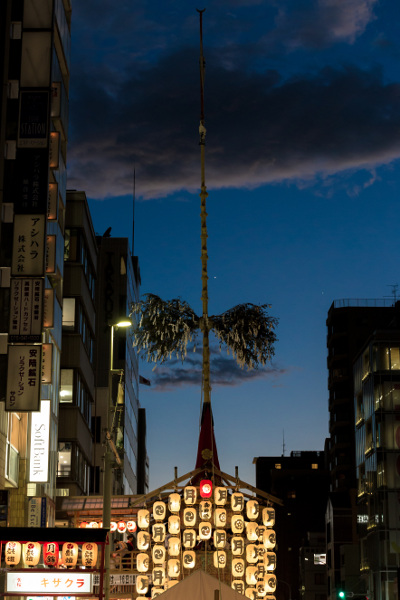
83	525
131	526
205	488
121	526
50	554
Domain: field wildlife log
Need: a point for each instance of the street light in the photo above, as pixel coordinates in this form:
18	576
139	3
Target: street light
108	457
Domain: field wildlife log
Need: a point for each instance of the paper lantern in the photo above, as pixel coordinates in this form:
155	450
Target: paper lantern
261	551
251	554
93	525
156	591
238	586
83	525
251	593
270	561
219	559
251	575
251	531
173	567
158	576
252	510
50	554
142	584
142	562
237	524
205	509
204	530
270	582
189	559
159	553
190	495
12	553
100	524
70	554
121	526
260	532
174	524
174	503
270	597
237	545
31	554
205	488
268	516
131	526
219	538
158	531
220	496
89	555
261	591
159	510
174	546
189	517
113	526
269	539
237	567
237	502
170	584
143	518
220	517
261	570
143	540
189	538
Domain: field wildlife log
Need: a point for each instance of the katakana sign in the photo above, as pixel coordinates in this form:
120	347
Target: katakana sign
49	583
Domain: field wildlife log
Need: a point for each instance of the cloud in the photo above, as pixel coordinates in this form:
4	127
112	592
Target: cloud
261	128
224	372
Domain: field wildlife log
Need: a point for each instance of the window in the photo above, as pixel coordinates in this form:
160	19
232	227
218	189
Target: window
314	466
67	385
291	494
68	313
319	559
278	466
64	459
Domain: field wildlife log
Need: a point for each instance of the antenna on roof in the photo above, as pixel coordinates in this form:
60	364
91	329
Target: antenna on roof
394	287
283	442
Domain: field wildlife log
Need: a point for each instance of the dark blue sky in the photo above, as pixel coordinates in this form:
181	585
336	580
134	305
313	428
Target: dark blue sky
302	104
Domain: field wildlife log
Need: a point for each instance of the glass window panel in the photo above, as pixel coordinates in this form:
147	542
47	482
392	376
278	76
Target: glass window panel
67	385
395	358
68	314
64	459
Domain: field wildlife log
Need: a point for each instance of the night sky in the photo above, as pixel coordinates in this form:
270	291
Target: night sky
302	110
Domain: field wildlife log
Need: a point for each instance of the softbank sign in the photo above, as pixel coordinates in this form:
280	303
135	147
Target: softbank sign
39	446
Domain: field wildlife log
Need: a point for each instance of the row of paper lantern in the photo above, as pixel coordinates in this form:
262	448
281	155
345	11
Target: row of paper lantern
120	526
253	511
259	587
190	537
30	552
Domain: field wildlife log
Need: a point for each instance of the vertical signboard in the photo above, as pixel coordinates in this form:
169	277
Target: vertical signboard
34	512
24	374
47	363
33	119
26	310
39	444
28	245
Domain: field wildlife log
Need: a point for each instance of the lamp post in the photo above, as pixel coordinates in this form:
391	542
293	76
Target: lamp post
108	460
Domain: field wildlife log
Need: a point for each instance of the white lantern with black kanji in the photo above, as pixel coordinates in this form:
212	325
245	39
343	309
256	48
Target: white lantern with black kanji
173	567
142	562
143	518
174	524
156	591
251	531
237	545
142	584
205	510
219	538
174	503
204	530
270	561
270	583
251	553
268	516
251	575
238	586
190	495
252	509
237	523
89	555
158	532
143	540
158	576
189	538
159	510
237	502
159	553
174	546
260	532
269	539
12	553
219	559
261	591
238	567
189	559
220	496
189	517
69	554
220	517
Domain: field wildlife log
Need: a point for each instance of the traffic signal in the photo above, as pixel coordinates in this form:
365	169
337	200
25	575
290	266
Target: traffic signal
341	594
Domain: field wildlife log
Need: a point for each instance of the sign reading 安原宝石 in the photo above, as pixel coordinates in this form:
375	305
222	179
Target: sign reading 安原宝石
24	375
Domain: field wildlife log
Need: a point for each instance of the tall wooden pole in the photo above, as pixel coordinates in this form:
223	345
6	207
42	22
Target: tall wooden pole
203	214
